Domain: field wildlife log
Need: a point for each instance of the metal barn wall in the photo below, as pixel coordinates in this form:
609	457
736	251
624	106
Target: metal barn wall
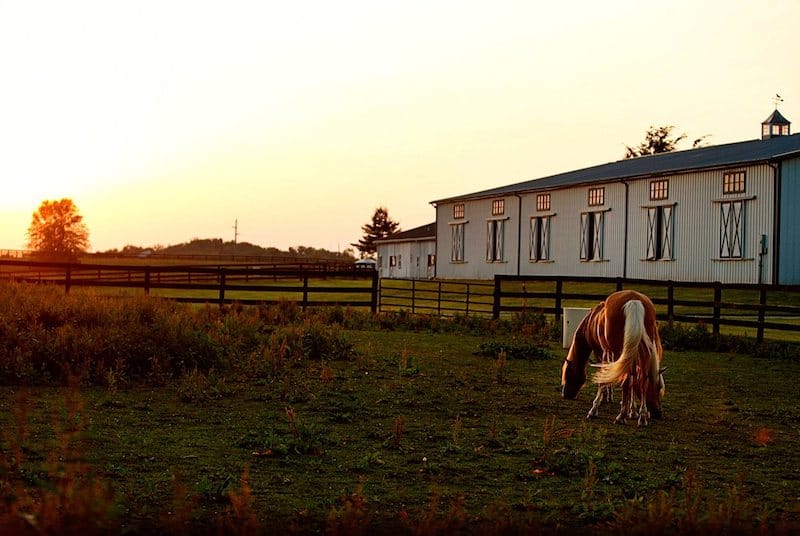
566	206
696	228
789	257
476	214
413	255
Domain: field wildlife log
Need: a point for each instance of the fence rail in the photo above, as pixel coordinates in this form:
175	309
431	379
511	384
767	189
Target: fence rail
757	307
443	298
306	285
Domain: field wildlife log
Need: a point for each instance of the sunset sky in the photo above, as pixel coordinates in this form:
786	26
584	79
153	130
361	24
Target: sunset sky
169	120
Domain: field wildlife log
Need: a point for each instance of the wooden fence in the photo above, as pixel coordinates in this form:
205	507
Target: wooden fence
442	298
306	285
758	307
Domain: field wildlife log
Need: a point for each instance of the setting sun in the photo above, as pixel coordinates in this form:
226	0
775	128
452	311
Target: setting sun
169	120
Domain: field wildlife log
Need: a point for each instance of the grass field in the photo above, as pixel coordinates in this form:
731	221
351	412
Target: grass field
416	434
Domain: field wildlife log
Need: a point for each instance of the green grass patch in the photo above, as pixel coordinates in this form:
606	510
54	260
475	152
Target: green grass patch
342	422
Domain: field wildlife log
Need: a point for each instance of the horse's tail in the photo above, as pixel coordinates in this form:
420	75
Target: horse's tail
635	341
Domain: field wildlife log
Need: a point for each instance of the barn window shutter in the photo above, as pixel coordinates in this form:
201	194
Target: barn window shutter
731	231
737	228
489	240
544	249
499	239
585	236
534	236
597	246
667	226
652	230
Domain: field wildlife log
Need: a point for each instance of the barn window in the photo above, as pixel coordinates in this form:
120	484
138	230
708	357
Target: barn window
458	211
498	207
494	240
457	245
540	239
431	260
542	202
392	261
733	183
591	239
659	190
659	232
399	261
596	197
731	230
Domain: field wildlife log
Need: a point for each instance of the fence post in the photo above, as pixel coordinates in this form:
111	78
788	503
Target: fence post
147	280
375	292
305	291
717	301
619	284
468	297
413	296
68	279
559	291
670	301
222	278
439	298
762	301
496	302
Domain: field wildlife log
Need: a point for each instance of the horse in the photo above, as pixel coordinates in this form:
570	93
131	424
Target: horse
622	333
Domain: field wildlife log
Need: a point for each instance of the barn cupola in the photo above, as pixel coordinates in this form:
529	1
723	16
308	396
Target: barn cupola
775	125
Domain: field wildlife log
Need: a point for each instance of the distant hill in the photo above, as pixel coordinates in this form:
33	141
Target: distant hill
209	247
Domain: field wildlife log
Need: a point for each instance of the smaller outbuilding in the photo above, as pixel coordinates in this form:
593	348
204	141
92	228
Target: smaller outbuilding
408	254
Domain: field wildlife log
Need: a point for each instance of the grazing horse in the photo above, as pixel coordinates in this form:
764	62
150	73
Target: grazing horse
622	333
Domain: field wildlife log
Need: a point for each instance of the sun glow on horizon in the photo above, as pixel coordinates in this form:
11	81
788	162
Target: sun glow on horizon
166	121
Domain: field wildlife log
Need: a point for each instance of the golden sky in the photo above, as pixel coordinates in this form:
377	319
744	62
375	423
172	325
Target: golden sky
169	120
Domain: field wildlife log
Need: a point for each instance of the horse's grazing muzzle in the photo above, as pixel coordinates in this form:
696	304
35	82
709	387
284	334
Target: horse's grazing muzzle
569	394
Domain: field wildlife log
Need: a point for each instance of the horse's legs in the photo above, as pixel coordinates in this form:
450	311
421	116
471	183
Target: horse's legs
598	399
624	405
644	415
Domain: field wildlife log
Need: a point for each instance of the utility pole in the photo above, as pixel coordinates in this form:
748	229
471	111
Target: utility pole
235	232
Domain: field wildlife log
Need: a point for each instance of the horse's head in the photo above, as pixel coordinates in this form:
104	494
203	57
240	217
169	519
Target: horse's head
573	376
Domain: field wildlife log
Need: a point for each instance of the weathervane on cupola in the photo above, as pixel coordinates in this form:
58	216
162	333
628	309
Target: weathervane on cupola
775	125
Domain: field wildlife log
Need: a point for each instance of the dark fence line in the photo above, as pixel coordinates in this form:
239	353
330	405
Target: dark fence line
220	280
769	306
443	298
511	295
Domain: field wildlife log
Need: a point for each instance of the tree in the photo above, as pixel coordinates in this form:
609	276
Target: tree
58	229
381	227
659	140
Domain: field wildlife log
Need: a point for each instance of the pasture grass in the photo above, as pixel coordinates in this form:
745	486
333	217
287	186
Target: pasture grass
416	433
336	421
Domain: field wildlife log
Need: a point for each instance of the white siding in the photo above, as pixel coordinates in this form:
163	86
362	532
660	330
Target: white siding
696	236
566	207
413	259
694	199
476	215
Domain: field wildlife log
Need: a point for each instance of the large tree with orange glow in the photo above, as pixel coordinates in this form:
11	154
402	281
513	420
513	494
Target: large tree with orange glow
57	228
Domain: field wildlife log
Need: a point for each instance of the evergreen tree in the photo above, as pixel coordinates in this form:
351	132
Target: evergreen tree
381	227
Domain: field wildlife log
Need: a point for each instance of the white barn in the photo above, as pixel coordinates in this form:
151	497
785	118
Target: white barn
723	213
408	254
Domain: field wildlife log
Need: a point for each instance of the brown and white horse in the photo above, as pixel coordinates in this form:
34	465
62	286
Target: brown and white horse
623	334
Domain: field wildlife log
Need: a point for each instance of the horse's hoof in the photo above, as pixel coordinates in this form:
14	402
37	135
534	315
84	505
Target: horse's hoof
620	420
591	415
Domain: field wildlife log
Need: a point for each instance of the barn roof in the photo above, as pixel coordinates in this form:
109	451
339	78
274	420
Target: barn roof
417	233
731	154
775	118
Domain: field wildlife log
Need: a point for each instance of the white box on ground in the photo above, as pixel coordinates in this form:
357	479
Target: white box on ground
573	316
